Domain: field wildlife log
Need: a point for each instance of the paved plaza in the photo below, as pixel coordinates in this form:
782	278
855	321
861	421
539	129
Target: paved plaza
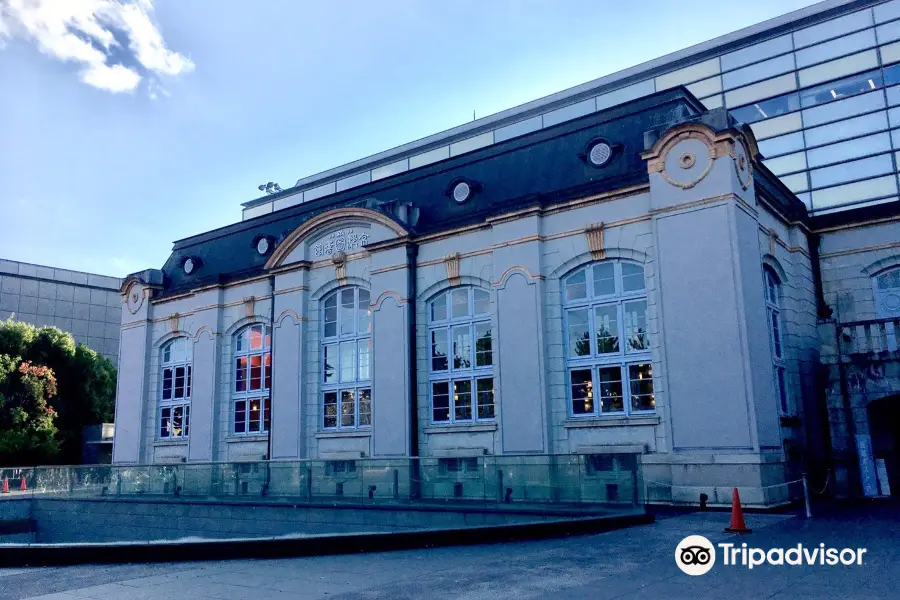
629	563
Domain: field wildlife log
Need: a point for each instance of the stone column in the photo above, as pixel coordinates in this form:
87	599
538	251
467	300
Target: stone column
288	363
714	325
391	393
520	371
204	385
131	390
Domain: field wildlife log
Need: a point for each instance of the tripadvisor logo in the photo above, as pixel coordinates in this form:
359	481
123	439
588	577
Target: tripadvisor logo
696	555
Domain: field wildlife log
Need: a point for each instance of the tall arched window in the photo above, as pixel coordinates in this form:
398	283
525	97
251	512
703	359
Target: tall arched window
607	344
887	294
347	359
252	380
175	389
776	337
462	360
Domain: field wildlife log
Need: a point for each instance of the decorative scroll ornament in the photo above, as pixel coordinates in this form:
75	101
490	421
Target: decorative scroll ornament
451	261
341	240
594	234
134	298
742	166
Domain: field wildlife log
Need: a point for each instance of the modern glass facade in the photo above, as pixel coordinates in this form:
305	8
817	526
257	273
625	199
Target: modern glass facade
823	101
820	88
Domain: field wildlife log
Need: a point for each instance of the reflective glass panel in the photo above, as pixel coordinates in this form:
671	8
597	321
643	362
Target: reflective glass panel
759	71
846	129
641	379
781	144
880	142
611	397
582	389
836	47
842	88
849	171
844	108
765	109
604	279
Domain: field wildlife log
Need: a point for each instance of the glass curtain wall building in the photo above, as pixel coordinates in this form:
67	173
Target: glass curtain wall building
820	86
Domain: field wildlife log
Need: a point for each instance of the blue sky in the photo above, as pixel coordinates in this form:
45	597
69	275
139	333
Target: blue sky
127	125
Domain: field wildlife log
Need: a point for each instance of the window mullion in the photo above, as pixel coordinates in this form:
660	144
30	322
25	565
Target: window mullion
592	342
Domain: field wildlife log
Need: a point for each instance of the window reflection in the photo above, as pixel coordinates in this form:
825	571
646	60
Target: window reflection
842	88
850	171
782	144
880	142
766	109
846	129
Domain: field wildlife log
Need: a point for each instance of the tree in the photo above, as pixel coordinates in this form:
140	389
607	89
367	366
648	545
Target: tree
27	430
86	381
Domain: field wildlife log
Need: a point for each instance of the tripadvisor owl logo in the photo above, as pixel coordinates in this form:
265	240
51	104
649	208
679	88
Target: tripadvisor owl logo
695	555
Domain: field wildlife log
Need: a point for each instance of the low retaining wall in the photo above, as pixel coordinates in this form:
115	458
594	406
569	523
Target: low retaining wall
117	520
46	555
16	524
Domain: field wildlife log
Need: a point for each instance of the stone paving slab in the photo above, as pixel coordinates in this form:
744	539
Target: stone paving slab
629	563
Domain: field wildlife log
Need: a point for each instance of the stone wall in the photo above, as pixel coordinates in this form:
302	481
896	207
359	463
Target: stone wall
70	521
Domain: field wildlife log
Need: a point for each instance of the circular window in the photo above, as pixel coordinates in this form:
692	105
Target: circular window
461	192
262	246
600	154
188	266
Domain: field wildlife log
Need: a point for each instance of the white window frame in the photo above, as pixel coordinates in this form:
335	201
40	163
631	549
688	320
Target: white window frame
358	334
243	349
878	294
175	354
480	378
775	322
595	361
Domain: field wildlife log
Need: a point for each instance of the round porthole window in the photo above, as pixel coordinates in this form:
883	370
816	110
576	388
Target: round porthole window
461	192
188	266
262	246
600	154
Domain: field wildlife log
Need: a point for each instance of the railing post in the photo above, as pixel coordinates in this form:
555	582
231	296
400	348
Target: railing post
806	497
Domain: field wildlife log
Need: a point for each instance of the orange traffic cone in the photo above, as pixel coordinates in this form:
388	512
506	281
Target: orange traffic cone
5	485
737	515
24	486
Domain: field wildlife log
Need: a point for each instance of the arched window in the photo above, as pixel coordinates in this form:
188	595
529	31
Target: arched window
347	359
607	344
175	389
252	380
887	294
462	360
776	336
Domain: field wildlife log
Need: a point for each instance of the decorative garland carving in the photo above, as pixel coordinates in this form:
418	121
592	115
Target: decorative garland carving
451	262
594	234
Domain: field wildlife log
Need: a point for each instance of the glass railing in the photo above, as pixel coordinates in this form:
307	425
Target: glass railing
593	481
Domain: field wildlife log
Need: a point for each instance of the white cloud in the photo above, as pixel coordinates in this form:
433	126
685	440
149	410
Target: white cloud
115	78
81	31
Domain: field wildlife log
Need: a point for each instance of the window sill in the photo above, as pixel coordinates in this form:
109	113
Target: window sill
350	433
178	442
468	428
636	421
246	438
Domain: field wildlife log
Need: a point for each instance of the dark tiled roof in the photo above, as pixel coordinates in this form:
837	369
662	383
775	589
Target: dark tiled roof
541	168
